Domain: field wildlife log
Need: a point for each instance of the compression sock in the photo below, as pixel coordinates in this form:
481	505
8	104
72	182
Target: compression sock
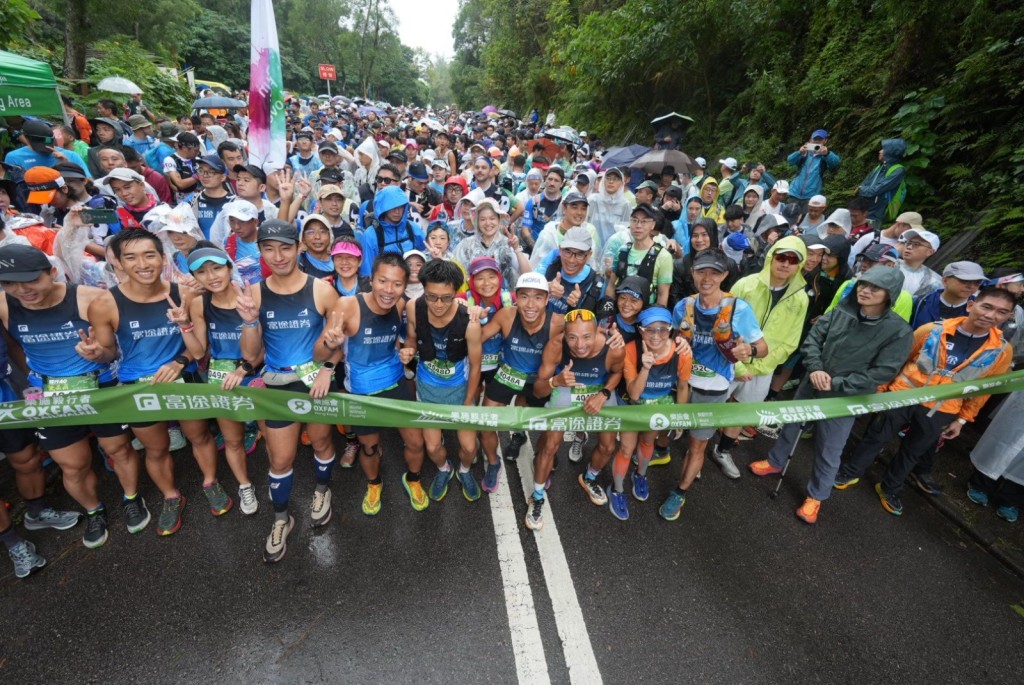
725	443
592	473
9	536
34	507
538	490
645	454
620	466
281	490
324	469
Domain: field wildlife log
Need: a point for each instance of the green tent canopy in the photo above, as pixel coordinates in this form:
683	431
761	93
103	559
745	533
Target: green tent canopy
27	86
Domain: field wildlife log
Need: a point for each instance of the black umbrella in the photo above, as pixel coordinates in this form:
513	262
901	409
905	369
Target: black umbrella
218	102
508	113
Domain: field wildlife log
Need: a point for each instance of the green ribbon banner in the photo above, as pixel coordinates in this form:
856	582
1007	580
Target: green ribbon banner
145	404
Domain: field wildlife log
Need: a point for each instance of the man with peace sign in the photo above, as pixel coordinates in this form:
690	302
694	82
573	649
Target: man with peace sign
138	323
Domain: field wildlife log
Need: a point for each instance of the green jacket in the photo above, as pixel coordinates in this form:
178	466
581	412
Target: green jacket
859	355
781	324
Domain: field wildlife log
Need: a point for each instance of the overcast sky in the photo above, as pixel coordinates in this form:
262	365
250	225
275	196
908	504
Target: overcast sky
427	24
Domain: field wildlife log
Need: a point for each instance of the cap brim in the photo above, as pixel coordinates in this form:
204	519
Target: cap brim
41	197
192	266
21	276
709	265
279	239
573	245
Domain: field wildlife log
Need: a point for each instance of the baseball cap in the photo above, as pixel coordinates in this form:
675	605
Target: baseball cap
614	170
819	133
646	209
252	170
781	187
483	264
965	271
69	170
305	133
817	201
328	146
330	174
416	253
701	162
276	229
649	185
881	253
138	122
241	209
924	235
634	286
347	248
187	139
729	163
712	258
654	315
197	258
122	174
577	238
573	197
22	263
39	134
532	280
418	171
398	156
812	241
328	190
912	219
438	162
214	162
310	218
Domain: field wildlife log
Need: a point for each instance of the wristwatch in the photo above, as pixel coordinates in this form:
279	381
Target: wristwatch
607	393
328	365
183	360
244	365
963	422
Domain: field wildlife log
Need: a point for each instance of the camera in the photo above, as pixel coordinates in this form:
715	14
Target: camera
814	147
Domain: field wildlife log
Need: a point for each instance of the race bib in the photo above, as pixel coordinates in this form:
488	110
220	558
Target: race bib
702	371
579	395
219	370
510	378
64	385
664	399
489	359
440	368
307	372
142	380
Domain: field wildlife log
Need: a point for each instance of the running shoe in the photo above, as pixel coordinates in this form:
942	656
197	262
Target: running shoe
136	514
371	501
670	508
349	454
771	431
515	444
594	490
891	503
251	440
169	520
923	482
439	488
842	482
535	513
304	438
51	518
220	502
491	473
247	501
177	439
320	512
662	456
977	496
25	559
764	468
619	505
277	541
137	445
808	511
807	434
417	496
1008	513
95	529
218	440
725	462
576	447
470	488
641	488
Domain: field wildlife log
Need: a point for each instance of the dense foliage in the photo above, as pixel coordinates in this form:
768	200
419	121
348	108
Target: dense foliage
759	75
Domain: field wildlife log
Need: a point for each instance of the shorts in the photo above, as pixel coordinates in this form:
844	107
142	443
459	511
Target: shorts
58	437
436	394
501	393
754	390
16	439
291	386
704	397
187	376
399	392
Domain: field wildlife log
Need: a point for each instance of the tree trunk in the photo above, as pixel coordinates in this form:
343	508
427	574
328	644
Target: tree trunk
75	39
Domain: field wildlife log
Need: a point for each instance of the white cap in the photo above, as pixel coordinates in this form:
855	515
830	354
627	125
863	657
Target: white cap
583	134
729	163
122	174
416	253
701	162
924	235
241	209
781	187
533	281
817	201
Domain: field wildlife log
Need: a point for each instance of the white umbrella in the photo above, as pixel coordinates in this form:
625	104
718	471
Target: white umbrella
118	84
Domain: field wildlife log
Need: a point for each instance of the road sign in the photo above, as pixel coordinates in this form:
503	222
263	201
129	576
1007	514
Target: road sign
327	72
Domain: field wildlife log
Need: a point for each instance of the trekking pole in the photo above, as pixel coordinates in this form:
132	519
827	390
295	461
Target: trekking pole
775	493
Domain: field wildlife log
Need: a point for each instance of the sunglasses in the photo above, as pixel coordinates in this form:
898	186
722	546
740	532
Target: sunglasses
384	180
434	299
579	315
787	258
656	330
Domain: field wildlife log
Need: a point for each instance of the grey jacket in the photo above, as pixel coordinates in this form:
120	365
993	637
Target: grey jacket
859	355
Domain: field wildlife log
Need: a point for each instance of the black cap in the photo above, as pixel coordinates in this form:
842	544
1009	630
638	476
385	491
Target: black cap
418	171
214	162
276	229
712	258
39	134
252	170
22	263
329	146
637	286
304	134
69	170
646	209
398	155
331	174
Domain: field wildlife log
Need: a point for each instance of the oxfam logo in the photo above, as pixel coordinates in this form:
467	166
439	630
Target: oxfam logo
300	406
659	422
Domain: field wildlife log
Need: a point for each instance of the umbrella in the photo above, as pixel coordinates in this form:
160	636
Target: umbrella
359	101
552	148
672	117
508	113
488	109
656	160
218	102
563	135
118	84
366	109
623	156
342	99
432	125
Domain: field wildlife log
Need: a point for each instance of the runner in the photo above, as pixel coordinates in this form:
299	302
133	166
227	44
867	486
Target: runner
486	289
653	365
132	323
579	368
369	325
446	335
45	319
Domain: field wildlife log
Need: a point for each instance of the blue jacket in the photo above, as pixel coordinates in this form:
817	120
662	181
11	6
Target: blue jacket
811	170
882	181
400	237
928	309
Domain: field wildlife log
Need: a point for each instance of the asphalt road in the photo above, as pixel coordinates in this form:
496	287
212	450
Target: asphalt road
736	591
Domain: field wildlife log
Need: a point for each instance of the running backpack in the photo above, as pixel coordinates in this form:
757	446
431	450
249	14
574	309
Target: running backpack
646	267
892	209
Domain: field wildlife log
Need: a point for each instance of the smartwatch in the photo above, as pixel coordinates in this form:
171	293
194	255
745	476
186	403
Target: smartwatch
244	365
183	360
607	393
328	365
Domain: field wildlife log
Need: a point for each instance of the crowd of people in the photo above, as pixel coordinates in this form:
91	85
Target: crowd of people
465	258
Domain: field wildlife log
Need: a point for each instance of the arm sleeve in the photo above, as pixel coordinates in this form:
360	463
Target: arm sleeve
745	323
629	370
685	367
795	159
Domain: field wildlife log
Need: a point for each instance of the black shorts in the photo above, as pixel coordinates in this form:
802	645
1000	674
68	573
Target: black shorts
294	386
399	392
188	376
58	437
501	393
16	439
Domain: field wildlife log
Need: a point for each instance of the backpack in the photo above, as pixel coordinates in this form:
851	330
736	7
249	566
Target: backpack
381	244
646	267
892	210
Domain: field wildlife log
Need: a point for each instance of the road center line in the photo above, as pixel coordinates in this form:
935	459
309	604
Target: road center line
576	646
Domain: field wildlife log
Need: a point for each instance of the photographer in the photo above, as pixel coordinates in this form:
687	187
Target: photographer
812	160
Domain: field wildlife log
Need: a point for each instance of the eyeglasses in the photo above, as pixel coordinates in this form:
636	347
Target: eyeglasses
870	287
386	180
207	172
787	258
579	315
656	330
574	254
434	299
633	221
915	244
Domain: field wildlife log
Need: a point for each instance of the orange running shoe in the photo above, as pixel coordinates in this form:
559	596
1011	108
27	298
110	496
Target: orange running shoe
808	511
304	438
764	468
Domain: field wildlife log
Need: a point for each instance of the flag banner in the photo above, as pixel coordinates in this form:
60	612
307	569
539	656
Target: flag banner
164	402
267	147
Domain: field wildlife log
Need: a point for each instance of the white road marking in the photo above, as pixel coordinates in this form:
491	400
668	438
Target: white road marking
531	666
572	629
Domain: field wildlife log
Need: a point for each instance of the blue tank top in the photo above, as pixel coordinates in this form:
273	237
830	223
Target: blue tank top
626	330
491	348
439	372
7	393
291	326
522	351
371	359
49	336
223	329
146	338
660	379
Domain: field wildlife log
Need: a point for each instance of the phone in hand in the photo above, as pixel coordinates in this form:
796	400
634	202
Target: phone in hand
98	216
